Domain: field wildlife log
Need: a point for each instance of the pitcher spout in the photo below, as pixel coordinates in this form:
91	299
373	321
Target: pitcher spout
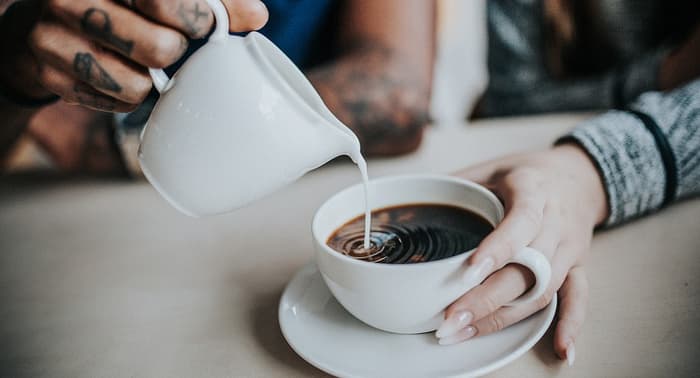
298	90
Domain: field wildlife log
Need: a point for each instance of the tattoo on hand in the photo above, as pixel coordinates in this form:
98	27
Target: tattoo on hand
376	95
91	72
191	18
97	23
93	100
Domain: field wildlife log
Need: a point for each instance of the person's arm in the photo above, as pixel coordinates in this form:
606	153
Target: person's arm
629	160
608	170
521	82
379	84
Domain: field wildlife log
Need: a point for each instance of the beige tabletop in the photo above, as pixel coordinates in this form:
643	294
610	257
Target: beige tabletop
102	278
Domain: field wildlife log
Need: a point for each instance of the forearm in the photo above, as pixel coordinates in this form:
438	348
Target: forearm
379	84
629	160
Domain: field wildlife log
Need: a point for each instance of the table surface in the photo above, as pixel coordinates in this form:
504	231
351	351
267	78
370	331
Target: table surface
103	278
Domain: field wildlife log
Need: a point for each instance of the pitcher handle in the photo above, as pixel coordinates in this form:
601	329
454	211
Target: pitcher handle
161	81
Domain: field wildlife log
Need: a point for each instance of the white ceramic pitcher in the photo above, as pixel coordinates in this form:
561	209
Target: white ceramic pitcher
236	122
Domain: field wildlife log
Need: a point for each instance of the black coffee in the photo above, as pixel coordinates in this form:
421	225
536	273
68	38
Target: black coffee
412	233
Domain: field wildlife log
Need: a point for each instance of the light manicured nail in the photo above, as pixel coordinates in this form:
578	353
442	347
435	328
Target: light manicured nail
454	323
460	336
475	274
570	354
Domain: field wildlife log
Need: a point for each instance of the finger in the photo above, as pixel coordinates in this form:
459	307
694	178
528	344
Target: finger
500	288
525	202
104	71
494	322
192	17
498	320
195	18
573	297
122	30
516	282
246	15
74	92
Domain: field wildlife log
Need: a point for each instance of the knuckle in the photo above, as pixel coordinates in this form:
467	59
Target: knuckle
489	304
496	322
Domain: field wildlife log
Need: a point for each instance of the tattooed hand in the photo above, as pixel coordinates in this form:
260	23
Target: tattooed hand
95	52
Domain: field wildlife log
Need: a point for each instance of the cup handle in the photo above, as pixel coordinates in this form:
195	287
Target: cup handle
539	266
161	81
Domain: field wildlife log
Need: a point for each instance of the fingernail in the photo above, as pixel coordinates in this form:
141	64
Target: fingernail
570	354
454	323
460	336
475	274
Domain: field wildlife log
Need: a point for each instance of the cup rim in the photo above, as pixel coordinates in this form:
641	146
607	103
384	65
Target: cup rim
422	265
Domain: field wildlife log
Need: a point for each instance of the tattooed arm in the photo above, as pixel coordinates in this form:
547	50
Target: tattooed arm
379	84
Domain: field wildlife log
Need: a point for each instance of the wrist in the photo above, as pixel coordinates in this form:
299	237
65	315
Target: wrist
579	164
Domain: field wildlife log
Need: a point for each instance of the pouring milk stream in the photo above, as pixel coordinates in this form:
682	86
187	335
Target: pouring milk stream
237	122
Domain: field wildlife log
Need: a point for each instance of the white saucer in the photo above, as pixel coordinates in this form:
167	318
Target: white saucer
319	329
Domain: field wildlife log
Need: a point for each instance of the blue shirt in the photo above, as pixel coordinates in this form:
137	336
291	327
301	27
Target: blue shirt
296	26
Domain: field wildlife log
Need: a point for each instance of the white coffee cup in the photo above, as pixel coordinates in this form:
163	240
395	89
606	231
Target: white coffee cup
235	123
408	298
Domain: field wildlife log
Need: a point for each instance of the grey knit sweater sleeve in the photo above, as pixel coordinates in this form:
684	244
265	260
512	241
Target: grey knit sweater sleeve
628	159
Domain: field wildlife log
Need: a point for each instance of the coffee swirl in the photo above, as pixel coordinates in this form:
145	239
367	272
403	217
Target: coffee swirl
412	234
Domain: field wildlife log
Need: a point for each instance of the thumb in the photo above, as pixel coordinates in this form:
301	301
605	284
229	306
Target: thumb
573	297
246	15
